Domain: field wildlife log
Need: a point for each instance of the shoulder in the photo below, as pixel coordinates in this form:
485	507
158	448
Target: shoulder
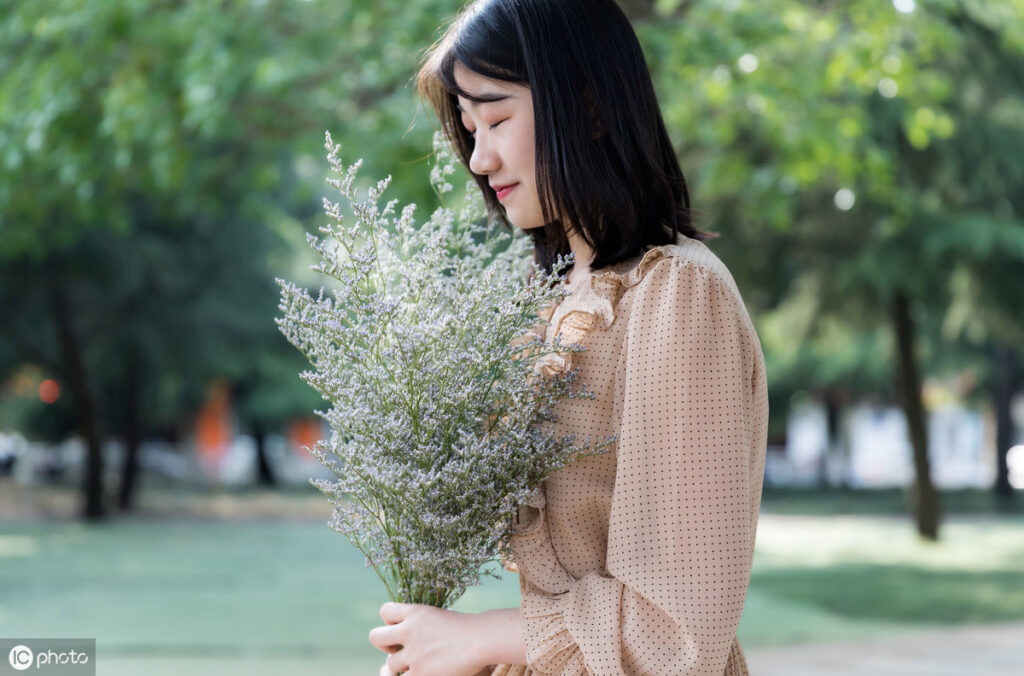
685	289
685	306
687	268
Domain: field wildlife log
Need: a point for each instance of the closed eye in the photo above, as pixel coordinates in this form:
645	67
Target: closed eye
492	126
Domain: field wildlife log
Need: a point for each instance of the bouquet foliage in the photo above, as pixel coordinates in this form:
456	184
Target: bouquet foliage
426	349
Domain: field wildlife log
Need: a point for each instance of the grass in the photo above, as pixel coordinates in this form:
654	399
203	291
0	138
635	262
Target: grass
895	501
272	596
877	569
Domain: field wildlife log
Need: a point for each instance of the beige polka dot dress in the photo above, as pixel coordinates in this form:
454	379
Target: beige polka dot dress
637	561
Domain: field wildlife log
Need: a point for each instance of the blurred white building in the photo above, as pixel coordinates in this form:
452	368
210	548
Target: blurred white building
874	450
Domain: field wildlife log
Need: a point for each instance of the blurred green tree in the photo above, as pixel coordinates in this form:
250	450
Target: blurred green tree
864	164
862	157
155	165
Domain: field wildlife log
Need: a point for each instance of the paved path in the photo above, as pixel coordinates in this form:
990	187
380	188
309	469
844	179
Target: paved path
978	650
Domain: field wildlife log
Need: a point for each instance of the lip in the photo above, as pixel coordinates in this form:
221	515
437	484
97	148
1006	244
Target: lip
503	190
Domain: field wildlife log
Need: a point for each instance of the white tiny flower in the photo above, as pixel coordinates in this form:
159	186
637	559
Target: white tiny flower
421	351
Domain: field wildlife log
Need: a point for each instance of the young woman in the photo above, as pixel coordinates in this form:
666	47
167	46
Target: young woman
636	561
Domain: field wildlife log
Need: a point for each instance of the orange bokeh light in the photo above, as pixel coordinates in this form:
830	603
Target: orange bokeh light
304	432
49	391
214	430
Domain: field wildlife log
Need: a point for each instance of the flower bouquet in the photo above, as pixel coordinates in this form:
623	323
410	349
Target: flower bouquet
428	351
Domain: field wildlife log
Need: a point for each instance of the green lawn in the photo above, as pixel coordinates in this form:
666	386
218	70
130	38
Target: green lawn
272	597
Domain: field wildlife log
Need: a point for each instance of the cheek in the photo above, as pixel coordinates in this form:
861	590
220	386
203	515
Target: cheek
526	160
523	146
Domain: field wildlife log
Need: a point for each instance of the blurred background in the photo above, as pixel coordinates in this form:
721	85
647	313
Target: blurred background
162	161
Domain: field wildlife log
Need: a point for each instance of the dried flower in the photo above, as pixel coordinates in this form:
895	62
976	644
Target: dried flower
429	352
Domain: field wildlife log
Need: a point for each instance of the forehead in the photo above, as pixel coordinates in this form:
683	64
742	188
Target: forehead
482	89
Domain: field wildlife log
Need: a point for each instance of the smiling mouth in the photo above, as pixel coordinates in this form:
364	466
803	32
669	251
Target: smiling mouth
502	192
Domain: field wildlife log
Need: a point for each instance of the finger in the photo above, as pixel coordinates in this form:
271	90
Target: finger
394	612
384	638
396	663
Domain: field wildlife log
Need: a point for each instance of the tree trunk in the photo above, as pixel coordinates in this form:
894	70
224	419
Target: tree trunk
265	472
132	430
834	450
923	494
93	504
1006	387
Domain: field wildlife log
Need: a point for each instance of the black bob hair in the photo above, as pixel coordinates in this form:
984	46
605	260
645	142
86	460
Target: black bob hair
604	158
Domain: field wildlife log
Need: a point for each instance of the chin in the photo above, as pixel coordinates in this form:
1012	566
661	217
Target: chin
524	225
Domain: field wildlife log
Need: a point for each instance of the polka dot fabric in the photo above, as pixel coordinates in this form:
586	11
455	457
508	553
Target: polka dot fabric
637	562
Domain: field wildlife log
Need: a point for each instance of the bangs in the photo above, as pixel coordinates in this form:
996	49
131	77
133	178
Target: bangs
604	161
446	71
482	42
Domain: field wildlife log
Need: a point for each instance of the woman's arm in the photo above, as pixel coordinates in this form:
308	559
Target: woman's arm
691	420
438	642
499	639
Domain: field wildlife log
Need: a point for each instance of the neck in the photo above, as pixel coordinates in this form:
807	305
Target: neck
583	255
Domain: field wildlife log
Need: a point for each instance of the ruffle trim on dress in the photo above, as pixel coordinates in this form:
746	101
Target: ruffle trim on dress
552	649
592	306
527	521
534	555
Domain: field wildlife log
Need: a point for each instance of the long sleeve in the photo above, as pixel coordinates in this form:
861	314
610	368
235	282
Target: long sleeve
691	415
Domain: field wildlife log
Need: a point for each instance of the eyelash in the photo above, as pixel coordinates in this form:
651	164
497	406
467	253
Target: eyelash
473	133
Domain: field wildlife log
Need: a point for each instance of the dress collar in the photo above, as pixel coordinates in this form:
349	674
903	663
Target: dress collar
592	305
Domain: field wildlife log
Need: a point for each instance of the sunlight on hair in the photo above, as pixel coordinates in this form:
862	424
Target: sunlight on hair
844	199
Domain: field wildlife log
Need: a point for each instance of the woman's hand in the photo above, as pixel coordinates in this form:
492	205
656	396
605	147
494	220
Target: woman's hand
427	641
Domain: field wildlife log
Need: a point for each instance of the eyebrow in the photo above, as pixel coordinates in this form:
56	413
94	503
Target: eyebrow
486	97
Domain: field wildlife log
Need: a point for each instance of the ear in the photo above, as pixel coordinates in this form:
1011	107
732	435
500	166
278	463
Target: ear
596	128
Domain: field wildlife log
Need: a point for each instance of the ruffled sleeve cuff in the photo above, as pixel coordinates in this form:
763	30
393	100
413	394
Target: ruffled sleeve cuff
546	590
550	648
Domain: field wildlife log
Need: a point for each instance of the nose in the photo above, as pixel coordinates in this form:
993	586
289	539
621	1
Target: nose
484	159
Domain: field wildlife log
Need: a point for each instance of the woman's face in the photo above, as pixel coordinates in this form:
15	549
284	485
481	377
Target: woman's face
503	146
